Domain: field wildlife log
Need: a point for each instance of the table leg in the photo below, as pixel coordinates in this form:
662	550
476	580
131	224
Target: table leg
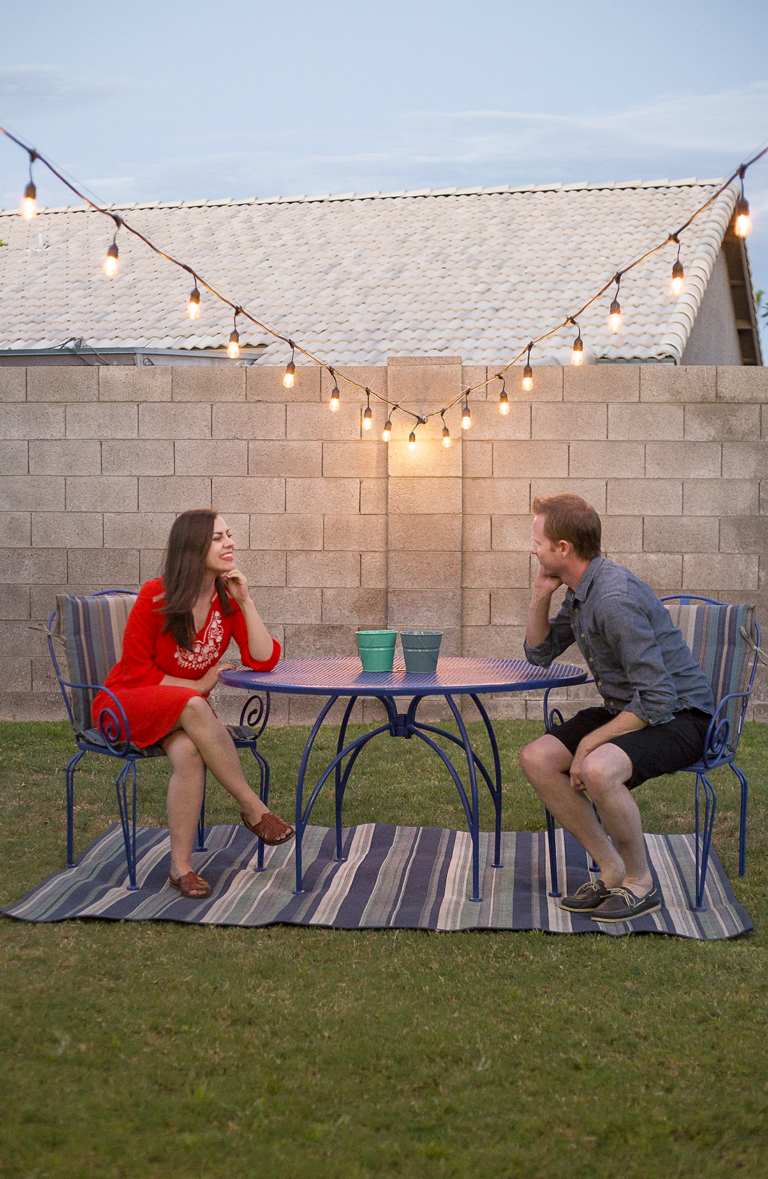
495	791
341	785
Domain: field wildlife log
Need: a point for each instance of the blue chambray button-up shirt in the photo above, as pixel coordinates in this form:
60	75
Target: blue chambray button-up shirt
636	654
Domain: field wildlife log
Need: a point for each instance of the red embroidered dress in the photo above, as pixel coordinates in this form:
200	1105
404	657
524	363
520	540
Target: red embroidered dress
148	655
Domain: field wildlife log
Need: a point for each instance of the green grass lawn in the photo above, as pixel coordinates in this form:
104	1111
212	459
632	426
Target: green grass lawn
155	1051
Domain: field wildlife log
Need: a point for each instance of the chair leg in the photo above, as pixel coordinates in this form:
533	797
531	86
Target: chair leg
128	818
742	820
703	837
552	848
69	778
200	842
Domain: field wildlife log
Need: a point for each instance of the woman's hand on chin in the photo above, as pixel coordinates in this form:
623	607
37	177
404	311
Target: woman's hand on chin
236	584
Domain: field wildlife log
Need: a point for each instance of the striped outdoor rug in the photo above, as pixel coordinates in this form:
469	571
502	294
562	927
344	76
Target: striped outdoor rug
393	877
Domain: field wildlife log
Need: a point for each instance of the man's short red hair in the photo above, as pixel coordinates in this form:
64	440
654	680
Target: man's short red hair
569	517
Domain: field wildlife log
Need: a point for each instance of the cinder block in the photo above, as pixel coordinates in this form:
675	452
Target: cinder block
680	534
476	533
413	609
373	570
441	533
563	422
249	422
494	642
745	460
135	383
13	384
720	497
350	459
425	496
14	458
32	566
373	496
319	641
645	497
645	422
429	460
16	528
693	460
509	607
15	601
488	424
302	459
497	496
473	375
303	710
601	460
65	458
30	706
592	490
477	459
150	565
214	457
362	609
602	382
31	421
208	383
135	530
313	422
143	456
622	534
360	533
417	383
739	535
511	533
521	460
97	420
722	423
507	706
286	532
547	383
427	571
476	607
370	376
105	567
63	383
174	421
43	676
322	496
264	382
31	493
67	530
496	570
658	569
676	382
708	571
16	675
255	496
261	568
103	493
19	641
324	569
286	606
743	383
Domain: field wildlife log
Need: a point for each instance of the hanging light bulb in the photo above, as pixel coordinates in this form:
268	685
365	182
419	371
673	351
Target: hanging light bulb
335	399
742	226
466	416
386	433
527	378
193	306
289	377
577	355
233	347
29	202
503	399
368	413
446	437
614	316
110	265
677	286
412	440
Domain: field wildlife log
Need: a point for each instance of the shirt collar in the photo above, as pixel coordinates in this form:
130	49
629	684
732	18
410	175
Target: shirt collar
587	577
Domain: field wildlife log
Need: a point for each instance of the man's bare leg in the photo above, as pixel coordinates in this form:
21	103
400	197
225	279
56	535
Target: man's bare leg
545	763
605	772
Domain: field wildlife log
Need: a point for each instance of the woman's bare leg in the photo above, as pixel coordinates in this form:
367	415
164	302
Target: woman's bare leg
185	797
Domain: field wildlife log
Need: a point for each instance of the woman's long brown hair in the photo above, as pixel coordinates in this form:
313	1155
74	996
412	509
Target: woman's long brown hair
184	571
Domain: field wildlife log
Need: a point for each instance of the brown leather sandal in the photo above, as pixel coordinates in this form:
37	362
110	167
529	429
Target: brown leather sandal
270	829
191	885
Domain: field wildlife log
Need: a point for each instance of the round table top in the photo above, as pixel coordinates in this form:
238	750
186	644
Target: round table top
455	675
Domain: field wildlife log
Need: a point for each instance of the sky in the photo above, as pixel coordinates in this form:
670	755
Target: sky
168	100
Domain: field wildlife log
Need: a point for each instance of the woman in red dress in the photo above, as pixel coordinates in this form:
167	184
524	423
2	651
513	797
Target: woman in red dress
176	633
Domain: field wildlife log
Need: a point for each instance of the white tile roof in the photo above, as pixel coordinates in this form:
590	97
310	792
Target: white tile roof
474	272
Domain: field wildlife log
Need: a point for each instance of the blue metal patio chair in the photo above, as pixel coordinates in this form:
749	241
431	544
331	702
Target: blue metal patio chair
725	641
89	631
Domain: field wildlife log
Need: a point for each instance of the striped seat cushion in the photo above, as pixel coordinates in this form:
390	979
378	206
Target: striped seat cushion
713	634
92	629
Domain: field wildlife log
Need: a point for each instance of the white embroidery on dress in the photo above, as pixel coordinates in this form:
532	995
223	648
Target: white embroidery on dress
206	649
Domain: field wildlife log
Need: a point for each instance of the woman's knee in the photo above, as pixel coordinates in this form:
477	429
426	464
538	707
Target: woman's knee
183	753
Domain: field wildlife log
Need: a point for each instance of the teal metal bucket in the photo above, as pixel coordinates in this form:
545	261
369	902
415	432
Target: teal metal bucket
421	649
377	649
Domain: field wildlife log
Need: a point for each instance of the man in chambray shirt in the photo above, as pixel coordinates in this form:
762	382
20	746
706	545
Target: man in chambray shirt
657	704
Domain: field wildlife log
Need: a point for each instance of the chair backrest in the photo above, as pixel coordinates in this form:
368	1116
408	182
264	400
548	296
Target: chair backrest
92	630
713	632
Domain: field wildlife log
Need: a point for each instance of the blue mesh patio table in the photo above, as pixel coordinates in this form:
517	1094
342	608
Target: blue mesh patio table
455	676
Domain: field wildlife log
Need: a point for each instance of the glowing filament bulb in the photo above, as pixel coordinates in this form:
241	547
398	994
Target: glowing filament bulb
29	202
677	286
386	433
614	316
742	226
335	399
193	306
503	402
577	356
466	417
527	378
289	378
367	418
233	347
110	264
446	436
412	441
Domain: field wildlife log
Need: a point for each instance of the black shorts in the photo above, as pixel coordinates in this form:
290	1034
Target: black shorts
655	750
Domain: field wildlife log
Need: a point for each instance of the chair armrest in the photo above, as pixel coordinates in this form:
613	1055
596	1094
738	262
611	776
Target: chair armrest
553	716
719	732
255	712
111	724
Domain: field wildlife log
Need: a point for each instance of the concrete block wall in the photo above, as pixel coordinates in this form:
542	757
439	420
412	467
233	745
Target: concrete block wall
337	530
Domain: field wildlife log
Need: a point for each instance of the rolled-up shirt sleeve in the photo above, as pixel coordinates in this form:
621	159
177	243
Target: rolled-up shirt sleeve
628	631
559	639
